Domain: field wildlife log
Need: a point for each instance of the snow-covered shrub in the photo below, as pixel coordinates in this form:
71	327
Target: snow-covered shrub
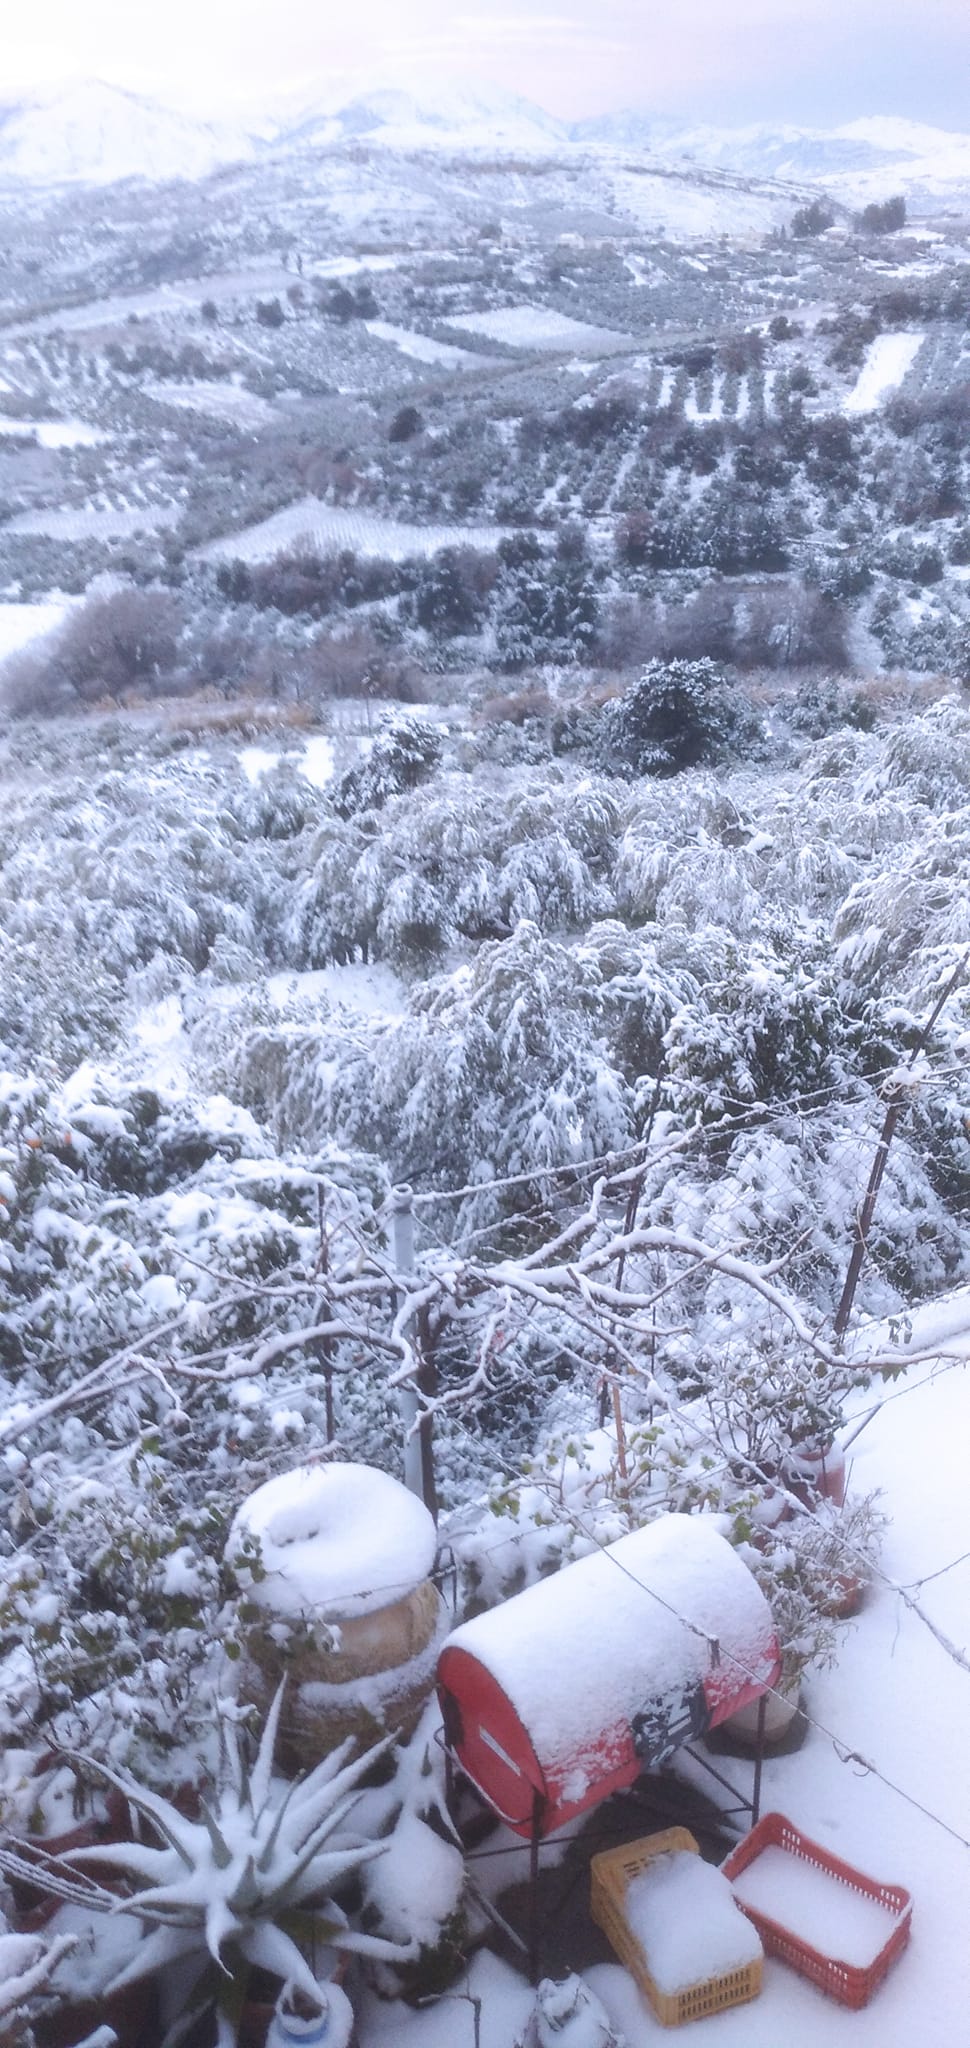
86	901
402	755
279	805
449	863
812	1568
645	978
553	1507
902	929
568	2015
128	1219
331	916
677	715
928	757
495	1071
27	1964
823	704
771	1033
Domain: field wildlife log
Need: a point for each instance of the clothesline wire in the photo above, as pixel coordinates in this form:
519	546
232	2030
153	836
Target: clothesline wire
813	1103
843	1751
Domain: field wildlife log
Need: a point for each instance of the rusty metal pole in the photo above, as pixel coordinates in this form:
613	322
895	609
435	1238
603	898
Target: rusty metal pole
534	1840
896	1099
759	1757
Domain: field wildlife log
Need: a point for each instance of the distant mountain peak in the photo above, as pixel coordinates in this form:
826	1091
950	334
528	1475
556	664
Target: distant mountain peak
408	112
87	131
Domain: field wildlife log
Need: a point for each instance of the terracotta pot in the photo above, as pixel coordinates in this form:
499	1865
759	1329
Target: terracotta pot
815	1475
380	1641
375	1681
847	1596
94	1831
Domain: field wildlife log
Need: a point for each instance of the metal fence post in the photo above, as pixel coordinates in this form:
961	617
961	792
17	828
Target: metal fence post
402	1245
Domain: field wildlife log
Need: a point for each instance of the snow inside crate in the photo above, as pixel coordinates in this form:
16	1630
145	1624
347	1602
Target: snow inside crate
674	1923
568	1691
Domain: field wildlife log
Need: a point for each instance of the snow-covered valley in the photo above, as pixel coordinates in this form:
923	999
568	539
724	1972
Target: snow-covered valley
484	642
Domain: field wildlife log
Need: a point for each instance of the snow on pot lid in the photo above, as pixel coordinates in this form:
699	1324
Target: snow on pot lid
341	1540
573	1685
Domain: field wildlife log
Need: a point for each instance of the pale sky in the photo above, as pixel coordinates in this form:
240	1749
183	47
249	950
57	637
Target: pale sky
723	60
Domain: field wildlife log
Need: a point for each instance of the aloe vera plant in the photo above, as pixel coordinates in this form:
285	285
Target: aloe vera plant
244	1884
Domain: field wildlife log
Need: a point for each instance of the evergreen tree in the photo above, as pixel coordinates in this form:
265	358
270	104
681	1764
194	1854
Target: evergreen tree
677	714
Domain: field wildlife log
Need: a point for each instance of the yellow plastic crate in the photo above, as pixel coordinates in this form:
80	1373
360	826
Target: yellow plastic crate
612	1870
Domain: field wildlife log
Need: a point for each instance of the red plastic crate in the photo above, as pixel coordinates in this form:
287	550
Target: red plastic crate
850	1984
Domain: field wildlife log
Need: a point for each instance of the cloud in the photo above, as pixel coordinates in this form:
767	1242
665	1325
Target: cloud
467	35
572	35
698	59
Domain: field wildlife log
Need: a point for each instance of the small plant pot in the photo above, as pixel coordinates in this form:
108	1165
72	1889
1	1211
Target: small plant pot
818	1475
781	1710
259	2024
847	1596
37	1906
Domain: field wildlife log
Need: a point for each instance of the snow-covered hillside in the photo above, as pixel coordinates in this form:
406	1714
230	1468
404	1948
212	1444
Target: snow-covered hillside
452	113
96	133
92	133
858	161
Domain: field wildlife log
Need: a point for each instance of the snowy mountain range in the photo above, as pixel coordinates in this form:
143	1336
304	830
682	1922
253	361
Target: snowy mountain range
456	114
94	133
855	162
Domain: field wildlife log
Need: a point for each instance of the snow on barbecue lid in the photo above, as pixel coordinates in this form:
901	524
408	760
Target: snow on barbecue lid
334	1540
627	1627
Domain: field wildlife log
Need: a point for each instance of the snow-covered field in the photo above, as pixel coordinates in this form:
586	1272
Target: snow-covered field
327	529
56	433
665	203
315	762
423	347
93	522
22	623
114	308
352	266
890	358
540	327
224	401
362	991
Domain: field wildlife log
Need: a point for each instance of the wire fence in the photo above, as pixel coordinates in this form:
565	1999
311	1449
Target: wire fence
785	1182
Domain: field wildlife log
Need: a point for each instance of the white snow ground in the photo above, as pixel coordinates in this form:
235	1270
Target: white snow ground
423	347
93	522
329	528
889	359
897	1699
56	433
22	623
316	762
541	327
224	400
